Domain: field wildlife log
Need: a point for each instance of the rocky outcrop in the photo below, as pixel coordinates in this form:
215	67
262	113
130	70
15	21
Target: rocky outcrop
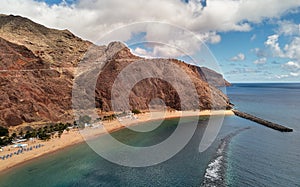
145	90
60	48
37	70
30	90
214	78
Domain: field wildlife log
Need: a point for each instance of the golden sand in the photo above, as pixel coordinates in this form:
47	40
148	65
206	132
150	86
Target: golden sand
75	136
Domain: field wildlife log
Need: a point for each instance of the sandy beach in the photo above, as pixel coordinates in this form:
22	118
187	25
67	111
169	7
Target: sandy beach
75	136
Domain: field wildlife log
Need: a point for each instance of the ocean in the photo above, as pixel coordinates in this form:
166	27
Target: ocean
243	154
261	156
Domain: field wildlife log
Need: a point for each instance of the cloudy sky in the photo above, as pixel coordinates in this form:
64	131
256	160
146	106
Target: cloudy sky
251	40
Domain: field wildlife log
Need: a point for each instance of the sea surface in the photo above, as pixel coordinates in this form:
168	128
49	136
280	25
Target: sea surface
262	156
243	154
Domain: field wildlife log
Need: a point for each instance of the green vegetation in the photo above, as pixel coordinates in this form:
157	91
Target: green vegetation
3	131
83	120
5	140
14	135
136	111
109	117
48	131
44	133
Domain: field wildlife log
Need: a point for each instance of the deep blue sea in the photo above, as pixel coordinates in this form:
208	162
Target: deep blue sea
261	156
243	154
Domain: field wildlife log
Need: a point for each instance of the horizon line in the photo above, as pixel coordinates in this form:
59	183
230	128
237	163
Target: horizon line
249	82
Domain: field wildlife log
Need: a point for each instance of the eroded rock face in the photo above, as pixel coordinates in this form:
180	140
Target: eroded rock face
60	48
150	88
30	90
214	78
37	71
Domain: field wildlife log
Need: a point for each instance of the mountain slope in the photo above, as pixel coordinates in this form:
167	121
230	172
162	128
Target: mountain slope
37	69
214	78
60	48
151	88
29	90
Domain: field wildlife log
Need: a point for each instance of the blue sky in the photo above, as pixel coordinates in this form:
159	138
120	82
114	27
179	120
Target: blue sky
244	56
57	2
253	41
258	64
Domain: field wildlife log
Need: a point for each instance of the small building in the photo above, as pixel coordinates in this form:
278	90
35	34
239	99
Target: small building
19	140
20	145
87	125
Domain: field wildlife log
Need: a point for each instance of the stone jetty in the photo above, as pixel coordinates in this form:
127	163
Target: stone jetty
266	123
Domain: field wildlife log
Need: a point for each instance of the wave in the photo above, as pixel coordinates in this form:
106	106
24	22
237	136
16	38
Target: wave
215	171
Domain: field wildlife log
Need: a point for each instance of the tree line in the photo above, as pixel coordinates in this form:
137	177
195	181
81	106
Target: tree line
43	133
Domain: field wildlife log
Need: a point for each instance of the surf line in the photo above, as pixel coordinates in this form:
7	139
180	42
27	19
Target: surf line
216	169
266	123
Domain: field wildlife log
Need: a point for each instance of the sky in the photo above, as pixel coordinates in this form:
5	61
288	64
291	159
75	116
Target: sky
250	40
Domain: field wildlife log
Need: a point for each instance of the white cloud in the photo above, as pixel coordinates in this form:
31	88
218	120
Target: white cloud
238	57
166	51
273	44
281	76
292	50
141	52
288	28
158	51
293	66
295	74
94	19
290	75
255	10
260	61
91	19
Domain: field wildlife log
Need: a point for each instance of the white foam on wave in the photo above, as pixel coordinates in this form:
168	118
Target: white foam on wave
213	169
213	175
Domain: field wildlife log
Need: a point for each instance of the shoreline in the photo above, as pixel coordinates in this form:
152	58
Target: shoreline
74	136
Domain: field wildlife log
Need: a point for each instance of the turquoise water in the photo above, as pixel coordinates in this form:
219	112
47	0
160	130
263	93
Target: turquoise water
80	166
244	153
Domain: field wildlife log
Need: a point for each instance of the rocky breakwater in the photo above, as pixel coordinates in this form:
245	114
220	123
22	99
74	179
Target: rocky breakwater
266	123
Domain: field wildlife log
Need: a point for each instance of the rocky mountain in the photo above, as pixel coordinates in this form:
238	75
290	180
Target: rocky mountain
29	90
39	67
214	78
150	88
60	48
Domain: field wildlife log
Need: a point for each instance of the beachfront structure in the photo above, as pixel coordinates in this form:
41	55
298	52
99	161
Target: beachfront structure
20	145
126	115
19	141
87	125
